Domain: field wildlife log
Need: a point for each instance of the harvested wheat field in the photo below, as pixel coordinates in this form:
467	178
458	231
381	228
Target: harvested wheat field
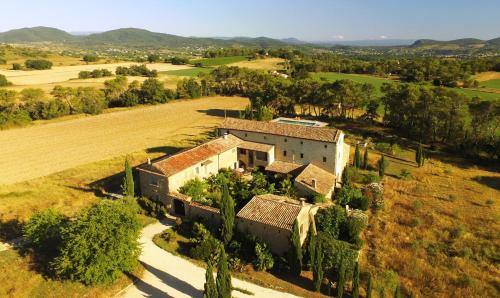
65	73
486	76
264	64
36	151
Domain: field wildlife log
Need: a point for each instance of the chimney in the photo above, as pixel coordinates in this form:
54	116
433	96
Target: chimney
302	202
313	183
225	136
149	161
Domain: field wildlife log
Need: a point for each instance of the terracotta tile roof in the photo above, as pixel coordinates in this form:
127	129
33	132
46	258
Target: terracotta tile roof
255	146
283	167
272	210
204	207
325	180
177	195
289	130
183	160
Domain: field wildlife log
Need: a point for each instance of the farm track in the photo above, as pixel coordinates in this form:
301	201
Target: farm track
40	150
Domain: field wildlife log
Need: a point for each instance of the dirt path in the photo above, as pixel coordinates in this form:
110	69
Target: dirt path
167	275
39	150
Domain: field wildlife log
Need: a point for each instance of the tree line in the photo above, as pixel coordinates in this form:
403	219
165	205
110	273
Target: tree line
440	71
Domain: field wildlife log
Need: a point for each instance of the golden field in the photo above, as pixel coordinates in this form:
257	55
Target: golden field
39	150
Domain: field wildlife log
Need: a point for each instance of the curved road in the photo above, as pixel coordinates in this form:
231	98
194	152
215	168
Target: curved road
167	275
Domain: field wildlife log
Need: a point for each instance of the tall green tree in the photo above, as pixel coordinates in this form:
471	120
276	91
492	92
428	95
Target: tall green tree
227	215
369	286
210	290
357	157
223	281
295	251
318	265
355	281
382	165
341	280
365	159
128	181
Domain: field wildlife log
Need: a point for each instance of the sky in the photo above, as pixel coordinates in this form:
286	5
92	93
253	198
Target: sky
312	20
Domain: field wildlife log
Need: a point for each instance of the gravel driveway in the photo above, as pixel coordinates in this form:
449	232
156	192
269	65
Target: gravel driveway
167	275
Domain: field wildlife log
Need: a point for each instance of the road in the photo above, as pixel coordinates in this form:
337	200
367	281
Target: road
167	275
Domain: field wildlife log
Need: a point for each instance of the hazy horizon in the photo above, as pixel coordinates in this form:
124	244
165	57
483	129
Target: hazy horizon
317	20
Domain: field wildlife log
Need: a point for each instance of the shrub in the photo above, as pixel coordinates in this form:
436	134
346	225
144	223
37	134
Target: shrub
319	198
152	208
90	58
204	244
100	244
370	178
3	81
43	232
405	174
336	252
347	194
38	64
3	61
263	257
415	222
362	203
388	148
168	235
16	66
375	193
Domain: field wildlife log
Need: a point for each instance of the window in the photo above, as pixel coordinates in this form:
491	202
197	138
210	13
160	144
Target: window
302	155
154	182
261	156
324	158
301	142
197	170
286	140
246	135
326	146
243	151
227	131
265	138
235	165
284	153
301	229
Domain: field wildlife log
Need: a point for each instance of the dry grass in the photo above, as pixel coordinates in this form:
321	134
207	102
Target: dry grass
264	64
64	73
486	76
39	150
19	280
439	231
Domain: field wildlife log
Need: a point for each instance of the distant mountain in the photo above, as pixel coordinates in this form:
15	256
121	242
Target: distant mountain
293	40
35	34
370	42
458	42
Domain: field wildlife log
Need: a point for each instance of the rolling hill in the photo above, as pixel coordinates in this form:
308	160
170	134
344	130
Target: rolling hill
35	34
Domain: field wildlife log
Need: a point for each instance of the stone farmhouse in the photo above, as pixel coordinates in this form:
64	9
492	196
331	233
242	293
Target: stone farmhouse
314	157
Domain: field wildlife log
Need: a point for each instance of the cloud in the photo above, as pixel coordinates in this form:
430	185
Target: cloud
338	37
382	36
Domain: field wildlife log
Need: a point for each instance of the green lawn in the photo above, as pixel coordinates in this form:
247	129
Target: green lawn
219	60
334	76
377	82
490	84
190	72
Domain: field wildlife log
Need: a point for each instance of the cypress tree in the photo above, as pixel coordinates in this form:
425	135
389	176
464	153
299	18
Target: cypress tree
365	159
227	215
318	266
346	178
382	165
295	251
341	280
355	282
210	290
357	157
312	249
128	181
223	281
369	286
418	155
